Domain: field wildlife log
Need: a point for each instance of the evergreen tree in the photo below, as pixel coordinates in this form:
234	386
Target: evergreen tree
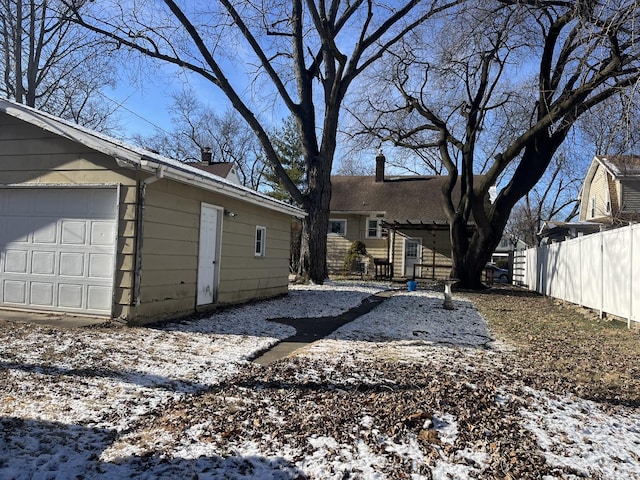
288	146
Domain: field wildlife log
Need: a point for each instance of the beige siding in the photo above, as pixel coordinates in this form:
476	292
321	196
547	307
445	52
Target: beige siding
436	252
598	190
338	245
169	248
31	156
171	224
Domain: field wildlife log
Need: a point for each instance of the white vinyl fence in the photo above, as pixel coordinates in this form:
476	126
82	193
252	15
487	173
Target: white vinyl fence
599	271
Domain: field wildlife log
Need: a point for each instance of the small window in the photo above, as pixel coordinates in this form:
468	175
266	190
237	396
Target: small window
339	227
592	207
261	235
375	229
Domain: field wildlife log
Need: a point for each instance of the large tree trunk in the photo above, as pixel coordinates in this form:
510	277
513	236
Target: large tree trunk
313	250
471	255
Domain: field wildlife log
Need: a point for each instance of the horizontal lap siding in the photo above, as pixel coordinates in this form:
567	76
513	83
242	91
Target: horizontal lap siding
31	157
338	245
439	243
243	276
170	250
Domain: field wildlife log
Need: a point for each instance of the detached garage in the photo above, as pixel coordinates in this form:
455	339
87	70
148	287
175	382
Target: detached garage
92	226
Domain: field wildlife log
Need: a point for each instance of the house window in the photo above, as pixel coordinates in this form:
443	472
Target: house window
608	204
375	229
592	207
339	227
261	236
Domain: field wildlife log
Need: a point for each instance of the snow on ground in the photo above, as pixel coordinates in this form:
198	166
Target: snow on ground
72	401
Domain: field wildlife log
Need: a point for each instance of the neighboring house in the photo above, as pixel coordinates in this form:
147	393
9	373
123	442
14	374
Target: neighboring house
90	225
611	190
226	170
507	245
554	232
400	220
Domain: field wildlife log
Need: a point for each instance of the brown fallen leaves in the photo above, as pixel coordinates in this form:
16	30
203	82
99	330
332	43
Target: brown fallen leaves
564	348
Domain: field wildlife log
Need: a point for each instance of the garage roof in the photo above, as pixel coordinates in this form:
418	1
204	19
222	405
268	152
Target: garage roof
137	158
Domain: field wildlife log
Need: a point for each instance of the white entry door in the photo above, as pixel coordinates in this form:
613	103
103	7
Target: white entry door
57	248
209	254
412	255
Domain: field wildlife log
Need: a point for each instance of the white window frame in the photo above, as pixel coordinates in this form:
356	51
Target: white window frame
592	206
379	230
336	220
259	247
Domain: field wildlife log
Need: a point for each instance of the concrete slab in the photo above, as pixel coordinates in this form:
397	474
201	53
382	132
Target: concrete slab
59	320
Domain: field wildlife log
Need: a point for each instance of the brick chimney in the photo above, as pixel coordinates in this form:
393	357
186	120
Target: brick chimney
206	156
380	159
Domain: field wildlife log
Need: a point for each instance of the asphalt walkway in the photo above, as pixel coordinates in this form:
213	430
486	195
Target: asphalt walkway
309	330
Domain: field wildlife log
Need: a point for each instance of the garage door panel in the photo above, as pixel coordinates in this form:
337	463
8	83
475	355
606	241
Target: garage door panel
43	263
98	298
102	233
100	266
41	294
16	261
14	292
71	264
73	233
70	295
57	248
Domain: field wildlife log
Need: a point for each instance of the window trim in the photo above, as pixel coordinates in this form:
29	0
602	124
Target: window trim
259	246
379	229
592	206
341	220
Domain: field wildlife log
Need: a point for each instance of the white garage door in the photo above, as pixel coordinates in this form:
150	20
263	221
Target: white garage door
57	248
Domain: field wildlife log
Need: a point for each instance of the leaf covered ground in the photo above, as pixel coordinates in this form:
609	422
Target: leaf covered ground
565	348
509	385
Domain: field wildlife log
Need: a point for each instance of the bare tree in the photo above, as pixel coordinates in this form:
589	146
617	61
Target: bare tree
196	126
306	54
555	197
495	92
614	125
50	63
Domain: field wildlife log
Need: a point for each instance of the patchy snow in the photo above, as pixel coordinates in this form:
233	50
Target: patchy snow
74	402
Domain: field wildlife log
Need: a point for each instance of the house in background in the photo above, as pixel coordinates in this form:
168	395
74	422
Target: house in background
609	198
226	170
92	226
611	190
554	232
400	220
504	251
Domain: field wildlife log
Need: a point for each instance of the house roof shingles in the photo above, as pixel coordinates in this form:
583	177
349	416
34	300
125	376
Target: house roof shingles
220	169
621	165
402	199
